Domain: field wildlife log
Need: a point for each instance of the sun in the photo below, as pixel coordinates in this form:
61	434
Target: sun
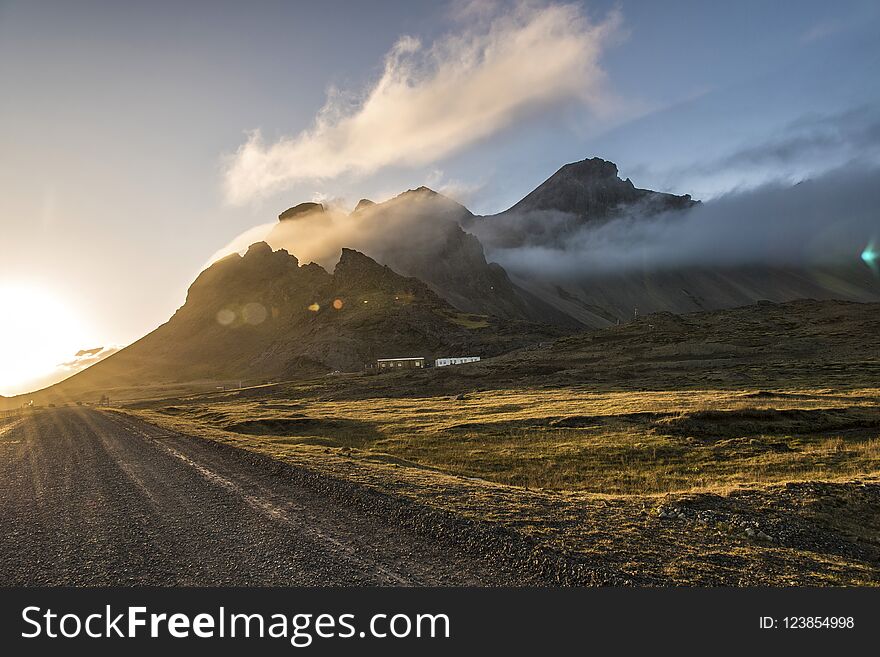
38	332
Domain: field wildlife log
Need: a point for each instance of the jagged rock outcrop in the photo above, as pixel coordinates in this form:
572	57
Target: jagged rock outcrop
301	210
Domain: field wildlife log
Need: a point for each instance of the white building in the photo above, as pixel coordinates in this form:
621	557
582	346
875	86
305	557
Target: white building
443	362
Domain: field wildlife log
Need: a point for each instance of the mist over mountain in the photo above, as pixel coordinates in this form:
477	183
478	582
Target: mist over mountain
580	195
824	221
417	233
614	255
589	247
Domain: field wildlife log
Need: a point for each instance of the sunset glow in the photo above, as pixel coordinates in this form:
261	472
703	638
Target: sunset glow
37	333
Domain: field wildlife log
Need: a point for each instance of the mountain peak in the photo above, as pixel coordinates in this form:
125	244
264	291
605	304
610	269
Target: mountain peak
258	249
300	210
263	252
419	191
590	170
354	256
363	204
353	265
592	189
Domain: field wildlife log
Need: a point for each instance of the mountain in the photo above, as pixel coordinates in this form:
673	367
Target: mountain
424	234
585	192
418	233
591	189
361	205
583	197
301	210
263	316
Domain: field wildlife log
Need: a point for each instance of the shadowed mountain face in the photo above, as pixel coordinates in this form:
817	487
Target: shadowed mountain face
600	300
262	316
762	344
759	346
451	261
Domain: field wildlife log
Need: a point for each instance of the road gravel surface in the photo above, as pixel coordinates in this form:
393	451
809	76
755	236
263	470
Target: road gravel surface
99	498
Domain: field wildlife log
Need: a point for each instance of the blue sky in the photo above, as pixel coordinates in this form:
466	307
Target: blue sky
120	121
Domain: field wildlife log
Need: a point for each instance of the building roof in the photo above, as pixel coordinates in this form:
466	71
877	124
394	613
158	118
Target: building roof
380	360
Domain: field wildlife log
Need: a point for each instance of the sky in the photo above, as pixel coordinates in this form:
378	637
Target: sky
137	139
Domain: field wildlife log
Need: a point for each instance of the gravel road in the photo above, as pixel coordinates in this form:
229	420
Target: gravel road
98	498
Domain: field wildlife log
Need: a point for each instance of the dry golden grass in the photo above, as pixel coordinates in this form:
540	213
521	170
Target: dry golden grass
571	439
469	320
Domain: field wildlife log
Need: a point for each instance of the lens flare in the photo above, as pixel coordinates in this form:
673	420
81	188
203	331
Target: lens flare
869	256
225	317
254	313
314	307
337	304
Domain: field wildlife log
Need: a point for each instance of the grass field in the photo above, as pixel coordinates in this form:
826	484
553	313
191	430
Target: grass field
568	439
740	447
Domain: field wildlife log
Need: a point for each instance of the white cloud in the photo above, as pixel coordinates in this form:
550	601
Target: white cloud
432	101
241	242
458	190
87	357
824	221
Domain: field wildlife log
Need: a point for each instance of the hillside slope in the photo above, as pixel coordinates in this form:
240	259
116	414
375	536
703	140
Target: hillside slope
805	343
262	317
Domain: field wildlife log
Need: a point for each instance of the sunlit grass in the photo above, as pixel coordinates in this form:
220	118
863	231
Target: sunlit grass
570	439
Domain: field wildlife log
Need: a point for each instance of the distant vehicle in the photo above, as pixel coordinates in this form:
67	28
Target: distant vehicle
455	360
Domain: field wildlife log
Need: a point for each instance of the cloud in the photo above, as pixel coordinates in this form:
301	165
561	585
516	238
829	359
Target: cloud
87	357
431	101
241	242
828	220
458	190
806	147
812	138
427	220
